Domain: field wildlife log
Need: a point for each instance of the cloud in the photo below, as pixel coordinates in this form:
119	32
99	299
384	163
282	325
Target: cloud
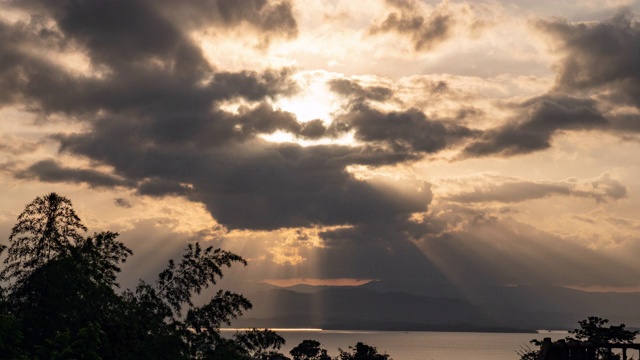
289	186
598	57
313	129
253	184
266	17
13	145
505	251
145	62
493	188
51	171
351	88
154	116
425	32
597	74
123	203
539	119
407	131
143	100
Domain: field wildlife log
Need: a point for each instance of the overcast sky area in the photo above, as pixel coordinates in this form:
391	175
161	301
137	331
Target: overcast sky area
334	142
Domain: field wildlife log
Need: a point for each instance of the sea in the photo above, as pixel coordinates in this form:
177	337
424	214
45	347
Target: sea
419	345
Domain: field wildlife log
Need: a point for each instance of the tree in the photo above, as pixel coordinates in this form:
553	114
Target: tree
46	228
61	282
61	302
10	338
594	330
198	269
309	350
259	342
362	352
64	295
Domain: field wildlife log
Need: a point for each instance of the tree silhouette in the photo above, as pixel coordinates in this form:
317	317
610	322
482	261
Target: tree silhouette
309	350
61	301
46	228
261	344
594	330
362	352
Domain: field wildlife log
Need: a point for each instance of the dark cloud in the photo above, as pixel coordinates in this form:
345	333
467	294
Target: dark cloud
380	251
51	171
243	181
17	68
625	124
408	131
123	203
313	129
514	190
159	186
540	118
307	190
599	56
265	120
425	33
154	115
251	85
146	63
601	66
352	89
268	17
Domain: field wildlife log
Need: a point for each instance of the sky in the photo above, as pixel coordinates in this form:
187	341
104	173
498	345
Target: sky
335	142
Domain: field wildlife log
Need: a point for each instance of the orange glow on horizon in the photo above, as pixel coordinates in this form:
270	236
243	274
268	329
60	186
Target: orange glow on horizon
317	282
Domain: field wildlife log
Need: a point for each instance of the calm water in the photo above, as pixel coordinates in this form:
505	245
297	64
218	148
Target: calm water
415	345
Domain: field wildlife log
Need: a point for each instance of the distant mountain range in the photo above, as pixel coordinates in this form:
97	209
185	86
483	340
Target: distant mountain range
413	305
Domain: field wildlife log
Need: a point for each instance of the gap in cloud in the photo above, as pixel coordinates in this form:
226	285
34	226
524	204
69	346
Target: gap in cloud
314	100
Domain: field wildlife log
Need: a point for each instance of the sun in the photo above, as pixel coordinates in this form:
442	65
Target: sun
314	99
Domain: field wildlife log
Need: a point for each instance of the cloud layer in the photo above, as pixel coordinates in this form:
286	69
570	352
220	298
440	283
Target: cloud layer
135	104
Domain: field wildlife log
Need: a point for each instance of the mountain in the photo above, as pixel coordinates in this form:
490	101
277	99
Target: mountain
415	305
555	307
358	308
415	286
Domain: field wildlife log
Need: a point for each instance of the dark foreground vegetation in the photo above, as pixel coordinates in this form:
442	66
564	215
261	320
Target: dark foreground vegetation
59	299
593	336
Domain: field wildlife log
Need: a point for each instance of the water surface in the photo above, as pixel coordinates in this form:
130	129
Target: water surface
420	345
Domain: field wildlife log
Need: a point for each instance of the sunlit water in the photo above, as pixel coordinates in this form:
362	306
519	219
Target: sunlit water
418	345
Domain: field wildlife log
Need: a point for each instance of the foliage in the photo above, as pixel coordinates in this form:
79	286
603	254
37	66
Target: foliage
197	270
61	300
10	338
62	296
309	350
362	352
526	353
226	349
46	228
82	345
594	330
258	342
